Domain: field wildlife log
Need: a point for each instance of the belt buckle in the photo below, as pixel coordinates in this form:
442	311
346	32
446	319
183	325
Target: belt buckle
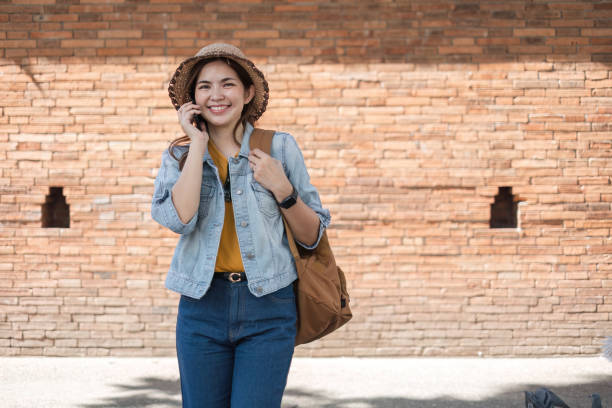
234	277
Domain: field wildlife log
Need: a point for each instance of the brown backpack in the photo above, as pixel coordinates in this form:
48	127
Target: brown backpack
321	295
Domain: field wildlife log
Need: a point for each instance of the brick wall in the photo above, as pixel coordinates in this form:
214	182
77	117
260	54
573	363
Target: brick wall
410	114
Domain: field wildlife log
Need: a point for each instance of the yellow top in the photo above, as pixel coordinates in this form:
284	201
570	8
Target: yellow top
228	257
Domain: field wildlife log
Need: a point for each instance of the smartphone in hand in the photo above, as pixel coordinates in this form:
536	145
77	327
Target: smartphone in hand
199	120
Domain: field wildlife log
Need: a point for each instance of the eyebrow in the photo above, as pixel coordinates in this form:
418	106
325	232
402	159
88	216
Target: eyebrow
223	80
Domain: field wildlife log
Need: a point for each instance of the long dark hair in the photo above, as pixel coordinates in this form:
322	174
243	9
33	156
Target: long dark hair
191	83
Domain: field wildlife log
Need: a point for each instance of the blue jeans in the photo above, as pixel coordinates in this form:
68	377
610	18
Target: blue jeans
234	349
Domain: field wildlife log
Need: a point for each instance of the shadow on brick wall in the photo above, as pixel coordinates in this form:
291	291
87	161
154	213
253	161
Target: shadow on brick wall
342	31
164	393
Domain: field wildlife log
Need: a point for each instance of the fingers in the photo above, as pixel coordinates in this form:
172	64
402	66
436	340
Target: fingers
187	105
257	153
253	161
187	110
257	159
186	116
264	164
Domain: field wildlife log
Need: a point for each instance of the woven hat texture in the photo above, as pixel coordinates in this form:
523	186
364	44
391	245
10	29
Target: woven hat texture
179	94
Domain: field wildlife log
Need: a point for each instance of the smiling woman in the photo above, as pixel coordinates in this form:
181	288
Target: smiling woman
199	82
221	98
233	267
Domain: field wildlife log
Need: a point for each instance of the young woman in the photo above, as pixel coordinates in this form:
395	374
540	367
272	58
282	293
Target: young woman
236	320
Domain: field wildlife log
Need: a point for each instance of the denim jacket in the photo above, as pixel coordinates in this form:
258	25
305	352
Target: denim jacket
266	257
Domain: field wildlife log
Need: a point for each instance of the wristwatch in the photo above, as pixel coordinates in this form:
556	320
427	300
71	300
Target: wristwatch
289	201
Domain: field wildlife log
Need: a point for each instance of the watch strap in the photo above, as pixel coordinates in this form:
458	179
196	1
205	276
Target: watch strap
290	200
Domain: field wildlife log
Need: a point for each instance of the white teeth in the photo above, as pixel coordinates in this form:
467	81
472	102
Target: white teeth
218	108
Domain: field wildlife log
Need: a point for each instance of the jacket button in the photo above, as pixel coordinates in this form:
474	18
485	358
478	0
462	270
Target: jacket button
239	192
259	289
244	224
250	255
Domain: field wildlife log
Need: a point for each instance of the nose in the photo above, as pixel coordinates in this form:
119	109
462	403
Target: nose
216	93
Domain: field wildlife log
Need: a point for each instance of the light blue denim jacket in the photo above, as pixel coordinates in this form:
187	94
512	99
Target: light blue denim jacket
266	257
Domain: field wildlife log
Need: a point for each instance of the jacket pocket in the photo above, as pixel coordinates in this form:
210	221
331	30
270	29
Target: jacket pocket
265	200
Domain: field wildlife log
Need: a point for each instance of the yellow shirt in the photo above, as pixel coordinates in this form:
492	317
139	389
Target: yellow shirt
228	257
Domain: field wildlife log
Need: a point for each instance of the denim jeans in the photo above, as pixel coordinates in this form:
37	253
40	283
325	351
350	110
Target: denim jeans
234	349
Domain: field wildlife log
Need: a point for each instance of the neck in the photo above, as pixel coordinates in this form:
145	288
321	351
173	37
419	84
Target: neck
225	134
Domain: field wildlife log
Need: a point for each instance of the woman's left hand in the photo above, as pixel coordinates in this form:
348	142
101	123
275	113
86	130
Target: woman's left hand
269	172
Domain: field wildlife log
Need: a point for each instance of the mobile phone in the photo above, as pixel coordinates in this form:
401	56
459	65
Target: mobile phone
199	120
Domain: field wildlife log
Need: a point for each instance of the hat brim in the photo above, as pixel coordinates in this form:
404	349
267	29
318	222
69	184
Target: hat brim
179	92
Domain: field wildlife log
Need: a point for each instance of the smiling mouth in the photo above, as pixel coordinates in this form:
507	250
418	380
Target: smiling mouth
219	109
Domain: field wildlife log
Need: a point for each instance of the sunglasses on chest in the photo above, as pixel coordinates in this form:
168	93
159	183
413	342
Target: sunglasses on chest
227	188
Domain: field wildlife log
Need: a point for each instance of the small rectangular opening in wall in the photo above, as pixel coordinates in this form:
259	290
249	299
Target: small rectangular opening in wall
55	210
504	209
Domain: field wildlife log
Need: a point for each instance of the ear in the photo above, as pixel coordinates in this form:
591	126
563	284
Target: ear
249	94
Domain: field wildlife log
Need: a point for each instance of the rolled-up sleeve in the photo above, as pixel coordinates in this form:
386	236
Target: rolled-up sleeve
162	207
298	175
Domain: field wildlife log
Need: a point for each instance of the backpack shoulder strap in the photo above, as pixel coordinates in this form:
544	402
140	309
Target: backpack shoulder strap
261	139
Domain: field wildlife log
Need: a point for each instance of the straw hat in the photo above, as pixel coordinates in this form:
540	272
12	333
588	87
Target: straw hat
179	94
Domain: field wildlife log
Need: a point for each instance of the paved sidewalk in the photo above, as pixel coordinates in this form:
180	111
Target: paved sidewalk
321	383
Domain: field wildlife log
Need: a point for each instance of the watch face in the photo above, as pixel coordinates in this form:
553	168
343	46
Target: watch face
288	202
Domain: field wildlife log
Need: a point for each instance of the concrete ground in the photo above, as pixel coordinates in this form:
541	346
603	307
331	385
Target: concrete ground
323	383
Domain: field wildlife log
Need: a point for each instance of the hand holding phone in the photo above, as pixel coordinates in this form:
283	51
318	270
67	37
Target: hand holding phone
194	126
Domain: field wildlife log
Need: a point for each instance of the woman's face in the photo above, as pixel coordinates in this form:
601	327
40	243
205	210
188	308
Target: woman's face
221	94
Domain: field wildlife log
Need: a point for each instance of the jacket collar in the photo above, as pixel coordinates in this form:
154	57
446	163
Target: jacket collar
245	148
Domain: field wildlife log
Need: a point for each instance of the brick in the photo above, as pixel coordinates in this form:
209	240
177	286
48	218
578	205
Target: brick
406	140
51	34
120	34
531	32
256	34
282	43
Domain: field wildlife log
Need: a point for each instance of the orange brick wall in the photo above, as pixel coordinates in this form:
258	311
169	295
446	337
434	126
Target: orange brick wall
410	115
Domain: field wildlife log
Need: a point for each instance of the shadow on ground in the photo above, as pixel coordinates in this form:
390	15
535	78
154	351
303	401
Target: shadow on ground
575	395
158	393
145	392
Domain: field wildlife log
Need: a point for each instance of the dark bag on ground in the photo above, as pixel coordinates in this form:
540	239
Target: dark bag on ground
545	398
321	295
